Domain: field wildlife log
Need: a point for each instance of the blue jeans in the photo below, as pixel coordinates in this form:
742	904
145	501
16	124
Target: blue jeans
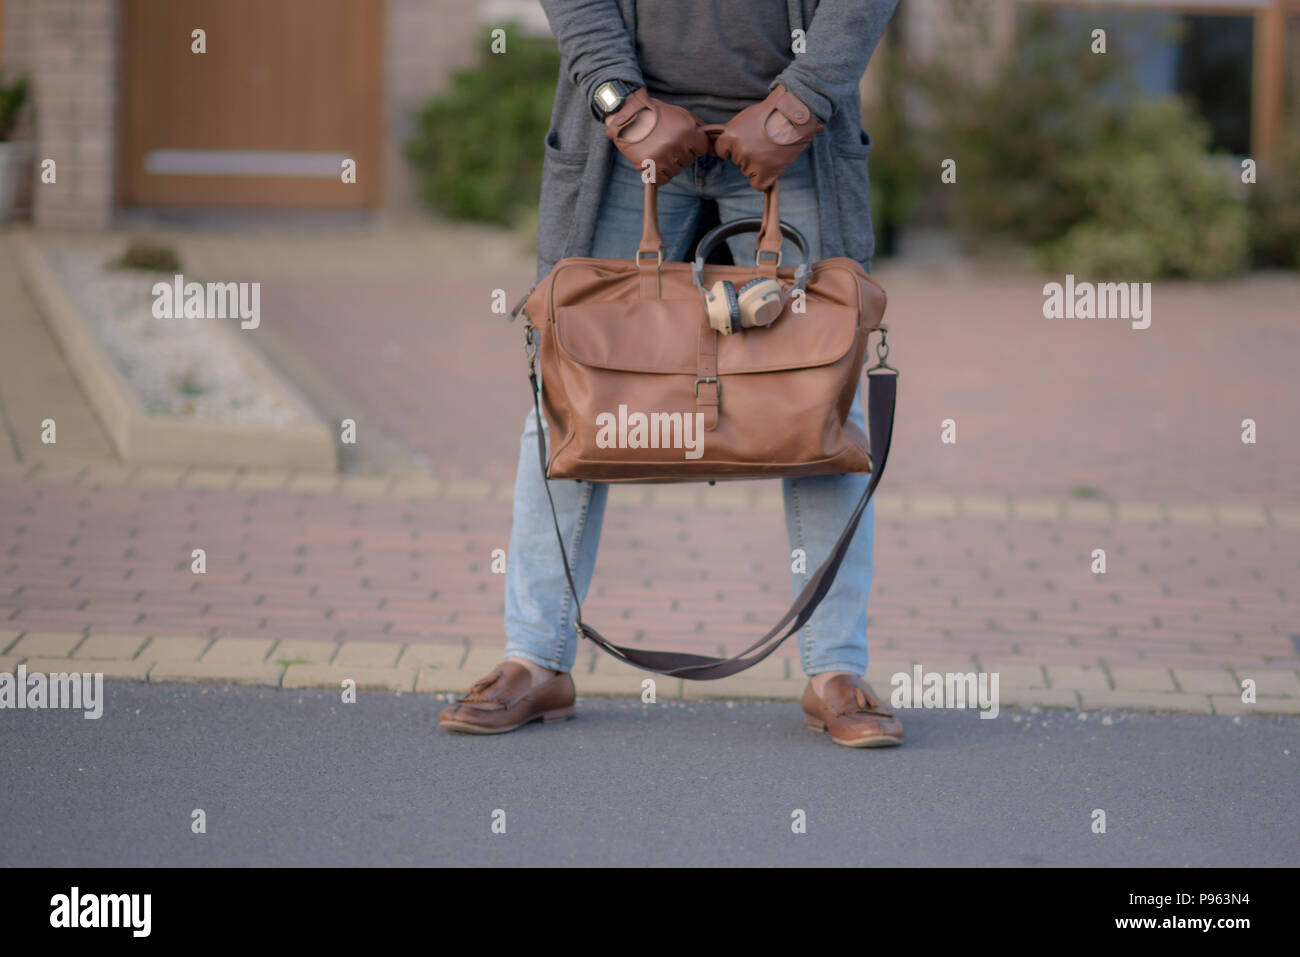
539	609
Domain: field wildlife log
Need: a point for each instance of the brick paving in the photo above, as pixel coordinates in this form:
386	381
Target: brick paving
983	555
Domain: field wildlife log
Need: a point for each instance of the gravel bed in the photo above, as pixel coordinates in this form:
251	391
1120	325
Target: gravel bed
188	369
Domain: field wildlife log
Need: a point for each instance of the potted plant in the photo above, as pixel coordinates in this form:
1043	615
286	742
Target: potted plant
15	157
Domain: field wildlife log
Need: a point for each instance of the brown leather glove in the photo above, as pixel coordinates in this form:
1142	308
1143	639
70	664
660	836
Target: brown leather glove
764	139
676	136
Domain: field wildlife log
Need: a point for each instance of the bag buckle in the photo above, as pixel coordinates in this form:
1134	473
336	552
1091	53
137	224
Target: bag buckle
707	379
660	254
758	256
882	353
530	345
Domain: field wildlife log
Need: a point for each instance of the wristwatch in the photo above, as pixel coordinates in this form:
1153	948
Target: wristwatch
609	96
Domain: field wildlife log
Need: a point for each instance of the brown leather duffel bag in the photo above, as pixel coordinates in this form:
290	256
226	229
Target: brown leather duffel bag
638	386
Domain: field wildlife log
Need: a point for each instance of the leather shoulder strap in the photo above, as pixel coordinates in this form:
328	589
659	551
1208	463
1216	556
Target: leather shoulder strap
882	392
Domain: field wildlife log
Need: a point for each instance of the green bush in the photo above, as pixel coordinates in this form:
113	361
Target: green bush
477	149
1056	152
148	256
895	160
12	98
1155	202
1276	206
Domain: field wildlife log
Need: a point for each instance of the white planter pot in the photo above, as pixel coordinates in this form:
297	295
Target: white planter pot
15	167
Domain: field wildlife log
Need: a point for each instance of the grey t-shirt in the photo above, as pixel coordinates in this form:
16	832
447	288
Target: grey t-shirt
714	57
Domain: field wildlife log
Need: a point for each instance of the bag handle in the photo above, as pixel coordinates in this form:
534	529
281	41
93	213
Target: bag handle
882	393
650	251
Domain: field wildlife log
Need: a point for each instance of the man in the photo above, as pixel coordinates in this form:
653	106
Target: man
638	80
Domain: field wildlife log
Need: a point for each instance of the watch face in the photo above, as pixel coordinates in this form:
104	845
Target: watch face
608	97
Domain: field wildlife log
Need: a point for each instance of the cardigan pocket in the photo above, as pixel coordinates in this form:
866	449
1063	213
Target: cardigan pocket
562	172
853	190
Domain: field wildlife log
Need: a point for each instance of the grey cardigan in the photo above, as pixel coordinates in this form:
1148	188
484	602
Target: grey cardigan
597	42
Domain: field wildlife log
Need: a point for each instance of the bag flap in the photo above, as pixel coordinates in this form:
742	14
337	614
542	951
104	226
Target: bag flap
628	334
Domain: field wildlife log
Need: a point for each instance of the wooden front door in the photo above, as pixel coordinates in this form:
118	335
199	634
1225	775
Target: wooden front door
287	90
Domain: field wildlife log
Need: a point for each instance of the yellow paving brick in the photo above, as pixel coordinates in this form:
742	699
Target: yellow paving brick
469	489
262	479
125	670
439	680
47	644
365	486
109	473
303	651
1264	704
595	661
61	474
1142	679
220	672
1248	515
415	486
1190	514
250	651
771	668
315	483
1206	681
622	495
156	475
1078	677
8	663
1145	701
1139	514
674	496
209	478
931	506
1286	516
1031	508
725	495
333	676
1271	682
1013	697
169	648
434	657
942	664
880	674
117	647
630	685
1078	510
887	506
1017	674
986	507
369	654
8	638
479	661
736	687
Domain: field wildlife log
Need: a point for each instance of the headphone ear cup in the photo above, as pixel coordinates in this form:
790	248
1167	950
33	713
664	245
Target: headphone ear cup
723	307
759	301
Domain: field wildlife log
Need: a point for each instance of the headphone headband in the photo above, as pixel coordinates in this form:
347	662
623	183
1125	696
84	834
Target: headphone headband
737	227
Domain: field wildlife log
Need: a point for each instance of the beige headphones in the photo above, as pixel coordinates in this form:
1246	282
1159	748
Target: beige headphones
758	302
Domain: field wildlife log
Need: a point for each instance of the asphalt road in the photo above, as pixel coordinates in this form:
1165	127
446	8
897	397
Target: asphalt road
297	777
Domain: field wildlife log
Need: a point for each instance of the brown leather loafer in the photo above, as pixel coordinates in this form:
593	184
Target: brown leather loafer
853	713
507	699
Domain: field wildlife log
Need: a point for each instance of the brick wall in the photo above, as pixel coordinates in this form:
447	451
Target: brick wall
425	41
69	49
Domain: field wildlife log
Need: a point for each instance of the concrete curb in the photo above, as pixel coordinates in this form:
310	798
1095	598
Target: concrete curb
415	486
450	668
